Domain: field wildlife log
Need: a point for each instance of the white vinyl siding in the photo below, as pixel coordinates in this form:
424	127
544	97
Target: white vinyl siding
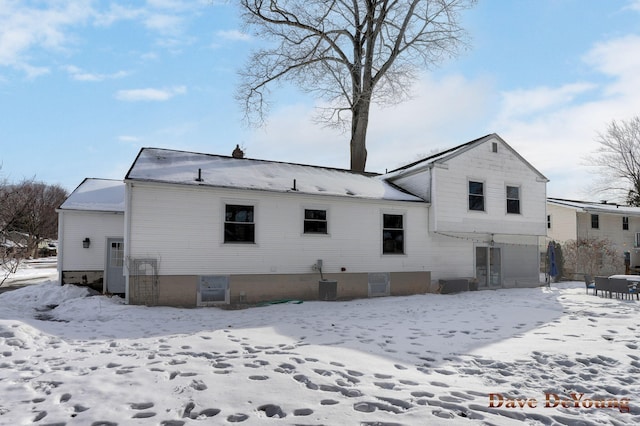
450	197
189	241
97	226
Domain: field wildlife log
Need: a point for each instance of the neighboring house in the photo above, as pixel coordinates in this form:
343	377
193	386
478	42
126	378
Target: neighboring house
14	243
90	236
573	220
202	229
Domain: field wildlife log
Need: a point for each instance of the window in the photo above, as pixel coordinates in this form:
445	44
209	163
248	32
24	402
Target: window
392	234
625	223
494	146
315	221
513	199
238	224
548	221
595	221
476	196
117	254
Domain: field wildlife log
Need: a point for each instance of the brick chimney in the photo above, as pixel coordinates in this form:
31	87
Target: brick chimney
237	152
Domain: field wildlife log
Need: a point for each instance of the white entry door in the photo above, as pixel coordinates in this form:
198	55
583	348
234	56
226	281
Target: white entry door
115	263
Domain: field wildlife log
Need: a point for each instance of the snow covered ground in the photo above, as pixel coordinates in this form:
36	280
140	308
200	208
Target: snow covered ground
426	359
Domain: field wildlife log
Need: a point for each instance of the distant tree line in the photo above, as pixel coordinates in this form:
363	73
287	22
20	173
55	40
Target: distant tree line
27	218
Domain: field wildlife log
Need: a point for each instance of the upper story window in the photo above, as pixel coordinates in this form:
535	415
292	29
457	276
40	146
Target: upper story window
595	221
548	221
392	234
476	195
513	199
625	223
239	226
315	221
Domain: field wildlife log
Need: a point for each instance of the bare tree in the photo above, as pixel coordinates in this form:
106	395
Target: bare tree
618	160
39	221
11	252
349	53
27	213
593	256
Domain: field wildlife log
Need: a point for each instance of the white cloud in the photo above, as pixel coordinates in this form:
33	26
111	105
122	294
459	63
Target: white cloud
396	134
163	23
26	27
116	13
634	5
79	74
562	133
29	28
150	94
233	35
617	59
128	139
524	102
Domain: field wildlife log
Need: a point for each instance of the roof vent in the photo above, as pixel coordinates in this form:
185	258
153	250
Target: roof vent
237	152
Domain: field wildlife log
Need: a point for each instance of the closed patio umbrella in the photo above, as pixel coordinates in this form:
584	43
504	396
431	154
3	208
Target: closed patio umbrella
553	266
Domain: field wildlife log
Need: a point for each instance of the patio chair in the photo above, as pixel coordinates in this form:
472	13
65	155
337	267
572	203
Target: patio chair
633	289
590	284
620	287
602	285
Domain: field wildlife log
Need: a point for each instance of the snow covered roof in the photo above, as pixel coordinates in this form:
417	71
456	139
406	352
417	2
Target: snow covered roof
103	195
189	168
443	156
595	207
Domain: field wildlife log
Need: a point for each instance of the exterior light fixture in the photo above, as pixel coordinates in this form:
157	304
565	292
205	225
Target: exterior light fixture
86	242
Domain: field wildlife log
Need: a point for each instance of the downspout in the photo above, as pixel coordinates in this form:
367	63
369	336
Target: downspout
127	238
434	205
60	245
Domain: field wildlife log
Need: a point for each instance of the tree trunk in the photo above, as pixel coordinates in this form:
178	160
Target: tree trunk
359	124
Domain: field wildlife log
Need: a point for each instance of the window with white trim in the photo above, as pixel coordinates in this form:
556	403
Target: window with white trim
315	221
239	225
513	199
392	234
476	195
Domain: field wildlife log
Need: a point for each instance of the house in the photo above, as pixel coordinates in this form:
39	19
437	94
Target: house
90	236
573	220
203	229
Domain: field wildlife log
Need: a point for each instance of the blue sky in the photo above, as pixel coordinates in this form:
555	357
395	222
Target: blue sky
85	84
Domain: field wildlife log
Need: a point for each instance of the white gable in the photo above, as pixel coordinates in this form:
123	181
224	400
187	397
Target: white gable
187	168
